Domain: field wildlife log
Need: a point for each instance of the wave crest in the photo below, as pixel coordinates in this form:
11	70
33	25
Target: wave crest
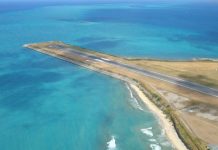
134	101
112	144
147	131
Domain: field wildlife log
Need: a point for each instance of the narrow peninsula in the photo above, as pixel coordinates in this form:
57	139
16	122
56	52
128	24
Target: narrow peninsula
183	94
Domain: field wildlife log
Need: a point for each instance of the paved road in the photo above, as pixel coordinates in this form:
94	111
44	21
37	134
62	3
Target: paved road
152	74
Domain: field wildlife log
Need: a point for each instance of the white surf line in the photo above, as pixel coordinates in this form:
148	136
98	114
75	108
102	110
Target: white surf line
134	101
164	122
130	91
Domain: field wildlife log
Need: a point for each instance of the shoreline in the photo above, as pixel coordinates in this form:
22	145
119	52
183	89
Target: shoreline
164	122
179	140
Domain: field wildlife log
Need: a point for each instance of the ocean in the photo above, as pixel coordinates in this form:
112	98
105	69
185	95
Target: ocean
49	104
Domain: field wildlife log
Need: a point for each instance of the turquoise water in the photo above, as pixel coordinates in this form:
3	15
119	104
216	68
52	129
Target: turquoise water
47	103
56	105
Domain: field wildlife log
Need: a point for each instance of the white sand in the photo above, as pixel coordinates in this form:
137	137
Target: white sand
165	123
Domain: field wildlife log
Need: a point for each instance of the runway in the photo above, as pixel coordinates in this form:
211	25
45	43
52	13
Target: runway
156	75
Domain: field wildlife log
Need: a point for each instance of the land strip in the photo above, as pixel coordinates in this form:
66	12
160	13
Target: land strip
156	86
148	73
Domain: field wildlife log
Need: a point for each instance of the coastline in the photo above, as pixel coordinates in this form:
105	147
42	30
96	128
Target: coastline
175	132
165	123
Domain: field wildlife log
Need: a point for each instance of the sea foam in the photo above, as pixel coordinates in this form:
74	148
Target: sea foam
147	131
130	91
152	140
134	101
111	144
155	147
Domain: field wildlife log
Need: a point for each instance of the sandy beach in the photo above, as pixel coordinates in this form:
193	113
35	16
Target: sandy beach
165	123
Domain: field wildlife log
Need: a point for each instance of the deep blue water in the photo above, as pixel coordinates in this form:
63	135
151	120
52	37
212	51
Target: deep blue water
47	103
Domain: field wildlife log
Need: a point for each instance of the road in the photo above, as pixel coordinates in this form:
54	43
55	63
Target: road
173	80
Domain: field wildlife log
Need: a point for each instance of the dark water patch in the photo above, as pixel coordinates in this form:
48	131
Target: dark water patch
188	16
204	47
201	40
81	81
29	60
15	6
107	119
21	79
35	119
26	5
42	119
8	54
23	99
50	63
22	5
40	64
49	77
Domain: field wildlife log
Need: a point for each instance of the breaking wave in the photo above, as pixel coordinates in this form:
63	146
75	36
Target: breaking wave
111	145
147	131
155	147
152	140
